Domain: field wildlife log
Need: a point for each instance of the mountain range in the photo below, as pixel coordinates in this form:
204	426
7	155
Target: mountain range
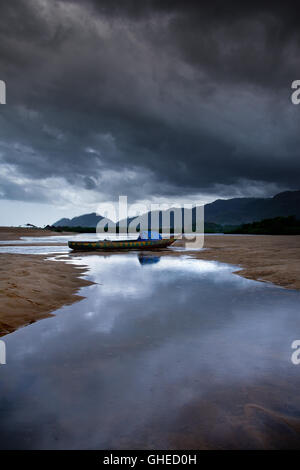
234	211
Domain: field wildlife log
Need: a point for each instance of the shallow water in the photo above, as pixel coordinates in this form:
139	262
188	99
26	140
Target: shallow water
75	236
65	238
164	352
34	250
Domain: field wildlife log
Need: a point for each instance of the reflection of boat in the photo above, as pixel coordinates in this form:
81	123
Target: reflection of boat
120	245
148	259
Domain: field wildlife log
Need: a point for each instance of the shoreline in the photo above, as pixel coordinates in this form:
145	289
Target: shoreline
33	286
16	233
263	258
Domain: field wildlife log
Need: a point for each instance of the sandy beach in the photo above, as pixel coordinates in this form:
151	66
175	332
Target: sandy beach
269	258
15	233
33	286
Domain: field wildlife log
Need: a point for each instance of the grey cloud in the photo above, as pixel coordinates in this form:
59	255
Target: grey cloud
188	99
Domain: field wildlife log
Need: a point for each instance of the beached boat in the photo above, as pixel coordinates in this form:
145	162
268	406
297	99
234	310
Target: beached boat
120	245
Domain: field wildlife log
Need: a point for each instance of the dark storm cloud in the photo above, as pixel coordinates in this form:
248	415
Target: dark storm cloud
233	41
149	98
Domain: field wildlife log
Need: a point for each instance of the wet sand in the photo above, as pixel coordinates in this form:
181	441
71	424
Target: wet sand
32	287
268	258
15	233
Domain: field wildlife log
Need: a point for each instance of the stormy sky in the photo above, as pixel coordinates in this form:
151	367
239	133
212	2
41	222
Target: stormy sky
158	100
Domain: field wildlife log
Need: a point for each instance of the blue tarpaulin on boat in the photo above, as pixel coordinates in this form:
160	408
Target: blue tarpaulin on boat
149	235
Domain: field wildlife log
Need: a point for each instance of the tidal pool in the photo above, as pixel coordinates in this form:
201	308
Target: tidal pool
163	353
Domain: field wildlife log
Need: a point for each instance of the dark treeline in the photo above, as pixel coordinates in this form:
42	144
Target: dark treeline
276	226
209	227
65	228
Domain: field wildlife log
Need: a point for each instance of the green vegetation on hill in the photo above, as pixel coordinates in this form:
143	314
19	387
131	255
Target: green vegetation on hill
276	226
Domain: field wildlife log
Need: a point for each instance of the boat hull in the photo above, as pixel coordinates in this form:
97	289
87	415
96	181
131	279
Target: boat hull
109	245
